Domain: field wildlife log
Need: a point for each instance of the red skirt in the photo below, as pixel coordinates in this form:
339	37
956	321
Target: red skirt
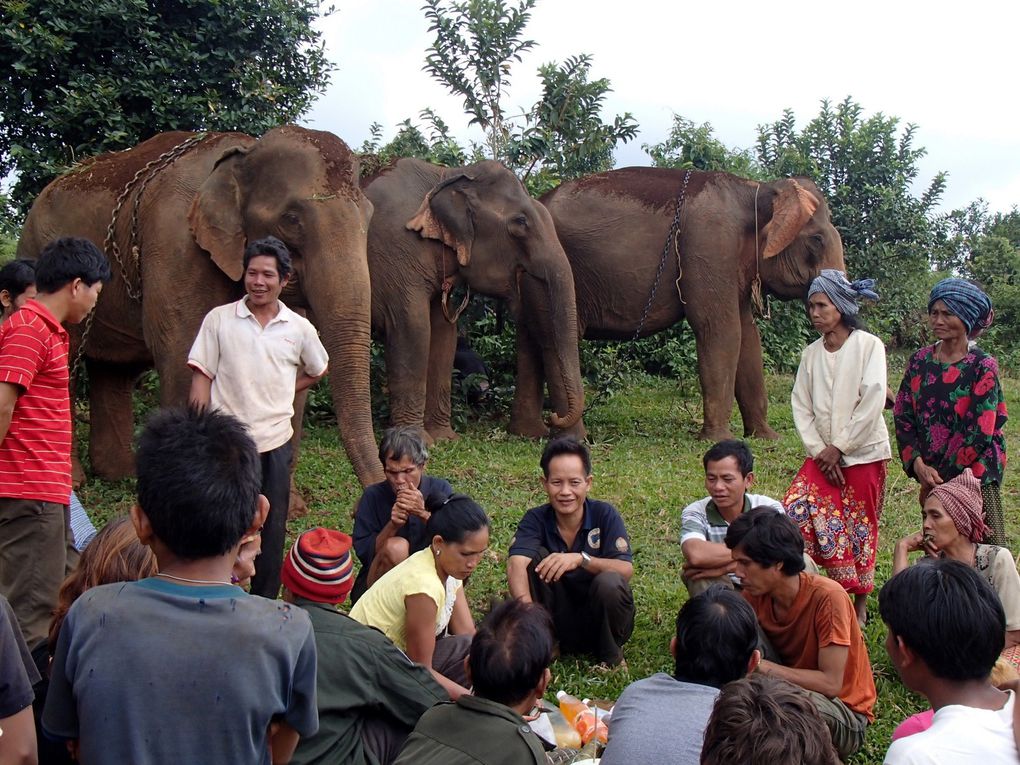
840	523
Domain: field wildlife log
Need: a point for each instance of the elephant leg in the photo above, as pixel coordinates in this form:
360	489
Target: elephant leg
111	417
442	349
407	357
750	383
297	506
526	412
717	339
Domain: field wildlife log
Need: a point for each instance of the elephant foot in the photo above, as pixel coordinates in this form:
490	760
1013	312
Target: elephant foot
762	431
528	428
77	472
441	433
297	508
577	432
714	434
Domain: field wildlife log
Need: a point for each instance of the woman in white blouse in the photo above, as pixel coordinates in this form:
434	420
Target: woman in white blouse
838	399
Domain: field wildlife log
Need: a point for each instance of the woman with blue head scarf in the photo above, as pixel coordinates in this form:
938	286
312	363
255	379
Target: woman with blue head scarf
838	399
950	410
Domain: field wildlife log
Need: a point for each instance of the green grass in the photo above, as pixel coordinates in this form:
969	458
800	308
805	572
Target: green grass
647	462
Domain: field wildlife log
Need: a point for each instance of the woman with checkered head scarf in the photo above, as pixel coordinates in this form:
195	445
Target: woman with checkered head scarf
950	409
953	526
838	399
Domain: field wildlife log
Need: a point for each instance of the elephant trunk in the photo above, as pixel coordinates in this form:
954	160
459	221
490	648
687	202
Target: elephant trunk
339	293
551	307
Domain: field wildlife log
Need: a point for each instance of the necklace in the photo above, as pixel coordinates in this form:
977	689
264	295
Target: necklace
192	581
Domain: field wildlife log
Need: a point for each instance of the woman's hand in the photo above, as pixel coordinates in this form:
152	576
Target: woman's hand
927	476
827	461
919	542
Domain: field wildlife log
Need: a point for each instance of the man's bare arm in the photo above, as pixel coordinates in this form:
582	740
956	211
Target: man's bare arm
517	577
826	680
201	390
700	553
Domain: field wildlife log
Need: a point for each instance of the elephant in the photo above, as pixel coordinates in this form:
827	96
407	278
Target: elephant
189	203
475	225
614	227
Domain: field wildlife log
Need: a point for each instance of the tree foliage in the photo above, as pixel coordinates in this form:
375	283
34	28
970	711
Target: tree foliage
563	135
81	78
433	143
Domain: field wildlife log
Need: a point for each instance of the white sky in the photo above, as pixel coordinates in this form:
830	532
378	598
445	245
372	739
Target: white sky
948	67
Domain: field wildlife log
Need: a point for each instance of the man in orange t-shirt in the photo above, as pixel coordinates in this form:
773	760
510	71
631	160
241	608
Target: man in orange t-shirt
812	636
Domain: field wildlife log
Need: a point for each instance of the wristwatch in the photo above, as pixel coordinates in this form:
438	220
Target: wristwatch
585	559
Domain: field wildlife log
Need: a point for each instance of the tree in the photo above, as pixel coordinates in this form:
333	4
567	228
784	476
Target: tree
82	78
438	146
563	134
693	147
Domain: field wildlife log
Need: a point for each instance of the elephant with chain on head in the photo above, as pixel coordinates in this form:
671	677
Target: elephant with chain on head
477	225
190	212
617	230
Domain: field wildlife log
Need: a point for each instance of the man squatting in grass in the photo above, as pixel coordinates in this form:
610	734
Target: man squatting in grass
249	359
716	642
389	521
573	556
811	634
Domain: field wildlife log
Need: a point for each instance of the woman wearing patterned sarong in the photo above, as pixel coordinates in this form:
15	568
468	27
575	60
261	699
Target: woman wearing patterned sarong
950	410
838	398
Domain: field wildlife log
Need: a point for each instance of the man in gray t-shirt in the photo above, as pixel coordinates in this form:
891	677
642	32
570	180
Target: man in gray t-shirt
662	718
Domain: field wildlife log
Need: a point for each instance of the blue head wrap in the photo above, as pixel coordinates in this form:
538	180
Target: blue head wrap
844	295
964	300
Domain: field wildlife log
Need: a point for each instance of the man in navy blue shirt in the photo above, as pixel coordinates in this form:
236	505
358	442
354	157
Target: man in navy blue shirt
573	556
389	521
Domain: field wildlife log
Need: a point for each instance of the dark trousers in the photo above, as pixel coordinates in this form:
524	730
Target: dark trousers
275	488
591	614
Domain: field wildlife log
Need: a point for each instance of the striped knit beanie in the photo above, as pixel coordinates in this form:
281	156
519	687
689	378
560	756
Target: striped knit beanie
319	566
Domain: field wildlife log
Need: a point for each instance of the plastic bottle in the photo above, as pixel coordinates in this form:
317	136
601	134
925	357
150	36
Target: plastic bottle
582	718
566	735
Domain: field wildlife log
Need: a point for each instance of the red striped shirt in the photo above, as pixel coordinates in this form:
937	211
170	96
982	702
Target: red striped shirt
35	456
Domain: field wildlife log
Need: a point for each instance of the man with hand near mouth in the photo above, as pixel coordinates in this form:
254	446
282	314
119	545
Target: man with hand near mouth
573	556
249	359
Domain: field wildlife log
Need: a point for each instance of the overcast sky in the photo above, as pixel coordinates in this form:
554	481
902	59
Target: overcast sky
948	67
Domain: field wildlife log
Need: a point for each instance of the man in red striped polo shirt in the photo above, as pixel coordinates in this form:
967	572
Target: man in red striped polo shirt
36	549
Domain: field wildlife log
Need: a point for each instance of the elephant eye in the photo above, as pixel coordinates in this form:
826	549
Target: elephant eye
291	218
519	220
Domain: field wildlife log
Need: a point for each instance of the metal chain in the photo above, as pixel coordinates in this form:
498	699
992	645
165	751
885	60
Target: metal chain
671	238
110	246
149	171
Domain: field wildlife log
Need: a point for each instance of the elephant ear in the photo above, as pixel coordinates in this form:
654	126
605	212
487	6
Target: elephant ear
792	207
215	215
447	214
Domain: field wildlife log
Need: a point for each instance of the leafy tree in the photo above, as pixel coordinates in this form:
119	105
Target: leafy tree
437	146
693	147
81	78
563	135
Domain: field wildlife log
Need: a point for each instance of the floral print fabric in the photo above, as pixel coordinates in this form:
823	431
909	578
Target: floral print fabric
840	523
952	415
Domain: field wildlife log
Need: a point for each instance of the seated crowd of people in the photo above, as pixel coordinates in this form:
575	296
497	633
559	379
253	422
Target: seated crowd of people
187	632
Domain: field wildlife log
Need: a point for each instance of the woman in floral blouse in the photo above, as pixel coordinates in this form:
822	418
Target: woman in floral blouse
950	410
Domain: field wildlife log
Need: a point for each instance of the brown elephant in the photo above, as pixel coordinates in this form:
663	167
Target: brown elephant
198	199
475	225
614	227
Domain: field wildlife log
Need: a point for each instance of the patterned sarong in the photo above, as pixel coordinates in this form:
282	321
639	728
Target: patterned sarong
840	524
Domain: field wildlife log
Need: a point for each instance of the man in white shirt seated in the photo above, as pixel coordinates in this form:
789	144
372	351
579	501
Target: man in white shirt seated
946	630
729	474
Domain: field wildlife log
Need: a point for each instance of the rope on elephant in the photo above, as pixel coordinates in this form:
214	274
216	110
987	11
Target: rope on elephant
758	299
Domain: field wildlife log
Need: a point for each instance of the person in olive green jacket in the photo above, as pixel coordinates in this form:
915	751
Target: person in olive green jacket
369	693
509	670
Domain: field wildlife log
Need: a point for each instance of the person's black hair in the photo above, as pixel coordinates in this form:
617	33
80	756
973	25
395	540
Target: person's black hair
768	537
273	248
199	476
716	633
17	276
731	447
66	259
557	447
511	651
455	518
947	614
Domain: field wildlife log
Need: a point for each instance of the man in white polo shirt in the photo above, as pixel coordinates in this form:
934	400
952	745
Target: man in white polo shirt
729	473
249	359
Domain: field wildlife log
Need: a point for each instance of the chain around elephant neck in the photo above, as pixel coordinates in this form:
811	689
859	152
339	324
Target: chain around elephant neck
672	237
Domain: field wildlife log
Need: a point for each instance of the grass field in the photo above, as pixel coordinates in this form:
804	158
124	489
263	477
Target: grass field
647	462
